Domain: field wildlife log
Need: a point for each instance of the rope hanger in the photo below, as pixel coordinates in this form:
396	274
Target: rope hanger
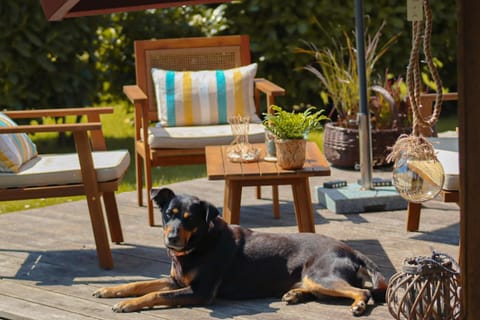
414	73
416	145
418	175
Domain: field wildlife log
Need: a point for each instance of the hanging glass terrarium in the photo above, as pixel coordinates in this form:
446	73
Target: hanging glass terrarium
418	175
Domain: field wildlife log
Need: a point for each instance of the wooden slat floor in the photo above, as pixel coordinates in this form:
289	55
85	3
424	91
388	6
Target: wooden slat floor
48	265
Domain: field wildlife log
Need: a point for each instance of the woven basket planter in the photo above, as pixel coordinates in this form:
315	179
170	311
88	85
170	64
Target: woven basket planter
341	145
290	153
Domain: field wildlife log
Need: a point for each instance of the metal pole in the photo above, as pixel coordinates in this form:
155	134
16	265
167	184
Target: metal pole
363	116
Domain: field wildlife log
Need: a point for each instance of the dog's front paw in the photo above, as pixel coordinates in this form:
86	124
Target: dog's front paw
106	293
359	308
126	306
292	297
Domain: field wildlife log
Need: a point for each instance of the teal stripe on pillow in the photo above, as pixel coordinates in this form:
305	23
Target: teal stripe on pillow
204	97
170	96
221	96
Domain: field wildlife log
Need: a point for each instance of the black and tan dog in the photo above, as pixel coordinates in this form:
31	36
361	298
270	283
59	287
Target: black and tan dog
213	259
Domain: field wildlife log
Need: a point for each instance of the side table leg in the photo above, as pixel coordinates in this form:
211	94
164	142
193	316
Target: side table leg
226	202
276	205
303	205
231	201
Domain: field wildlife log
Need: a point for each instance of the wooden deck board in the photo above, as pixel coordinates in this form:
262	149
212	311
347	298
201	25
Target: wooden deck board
48	264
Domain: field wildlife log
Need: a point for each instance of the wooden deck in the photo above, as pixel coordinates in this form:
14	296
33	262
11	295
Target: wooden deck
49	269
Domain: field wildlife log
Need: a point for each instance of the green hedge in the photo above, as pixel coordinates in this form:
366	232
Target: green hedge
83	60
277	27
44	63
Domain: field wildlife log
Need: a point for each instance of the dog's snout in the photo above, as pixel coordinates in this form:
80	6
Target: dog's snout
173	236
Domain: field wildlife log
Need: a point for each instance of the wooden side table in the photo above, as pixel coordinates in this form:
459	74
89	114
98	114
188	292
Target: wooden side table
238	175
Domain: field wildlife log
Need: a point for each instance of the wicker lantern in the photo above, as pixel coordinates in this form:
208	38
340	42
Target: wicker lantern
427	288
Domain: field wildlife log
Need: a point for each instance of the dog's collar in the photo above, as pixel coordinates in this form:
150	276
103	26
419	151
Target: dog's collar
179	253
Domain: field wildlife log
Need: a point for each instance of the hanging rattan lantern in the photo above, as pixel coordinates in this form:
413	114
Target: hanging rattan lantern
427	288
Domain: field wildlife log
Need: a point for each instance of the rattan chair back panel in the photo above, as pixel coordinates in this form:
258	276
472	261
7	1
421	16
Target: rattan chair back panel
164	54
181	54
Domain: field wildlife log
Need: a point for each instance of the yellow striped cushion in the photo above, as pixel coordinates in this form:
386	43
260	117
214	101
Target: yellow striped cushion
204	97
15	149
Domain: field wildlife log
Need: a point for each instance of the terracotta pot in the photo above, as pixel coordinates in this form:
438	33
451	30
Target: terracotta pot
341	146
291	153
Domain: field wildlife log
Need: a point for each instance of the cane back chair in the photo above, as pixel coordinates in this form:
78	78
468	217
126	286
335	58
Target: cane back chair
184	54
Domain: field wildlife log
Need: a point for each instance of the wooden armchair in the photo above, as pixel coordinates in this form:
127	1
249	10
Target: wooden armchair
447	153
185	54
92	171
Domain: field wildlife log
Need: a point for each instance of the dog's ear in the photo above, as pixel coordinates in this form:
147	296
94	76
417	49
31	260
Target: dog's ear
211	212
162	196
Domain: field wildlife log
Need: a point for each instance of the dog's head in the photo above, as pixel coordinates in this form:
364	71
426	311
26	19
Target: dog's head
186	219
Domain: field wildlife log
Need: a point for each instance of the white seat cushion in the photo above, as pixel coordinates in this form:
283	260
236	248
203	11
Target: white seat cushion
199	136
59	169
447	154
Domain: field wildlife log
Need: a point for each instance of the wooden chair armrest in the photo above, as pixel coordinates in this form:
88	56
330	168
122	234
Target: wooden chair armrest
268	87
38	113
73	127
134	93
92	114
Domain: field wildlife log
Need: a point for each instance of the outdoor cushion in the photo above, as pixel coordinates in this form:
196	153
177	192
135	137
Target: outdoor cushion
199	136
447	154
186	98
60	169
15	148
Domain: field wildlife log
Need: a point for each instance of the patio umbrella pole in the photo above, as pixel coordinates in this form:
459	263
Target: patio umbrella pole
363	116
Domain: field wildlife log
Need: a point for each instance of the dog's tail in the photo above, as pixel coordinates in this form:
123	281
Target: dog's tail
379	283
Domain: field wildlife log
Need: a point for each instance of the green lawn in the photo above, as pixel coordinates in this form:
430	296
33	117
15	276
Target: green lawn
118	129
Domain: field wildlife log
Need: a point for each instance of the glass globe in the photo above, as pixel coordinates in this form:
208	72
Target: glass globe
418	180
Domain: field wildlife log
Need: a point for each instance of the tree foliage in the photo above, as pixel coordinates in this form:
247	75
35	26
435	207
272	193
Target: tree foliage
276	28
77	61
44	63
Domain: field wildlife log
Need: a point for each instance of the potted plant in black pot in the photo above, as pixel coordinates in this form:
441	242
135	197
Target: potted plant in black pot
291	130
337	71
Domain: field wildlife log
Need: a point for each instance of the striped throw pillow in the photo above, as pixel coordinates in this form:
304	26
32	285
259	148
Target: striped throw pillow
207	97
15	148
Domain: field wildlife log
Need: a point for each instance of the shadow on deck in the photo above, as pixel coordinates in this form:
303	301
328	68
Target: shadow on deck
49	269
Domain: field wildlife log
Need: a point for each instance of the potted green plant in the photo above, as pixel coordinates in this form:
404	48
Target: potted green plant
291	130
337	71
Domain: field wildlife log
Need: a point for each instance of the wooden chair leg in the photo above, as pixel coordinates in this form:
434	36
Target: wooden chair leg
413	216
139	178
93	196
113	218
99	232
148	186
259	192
